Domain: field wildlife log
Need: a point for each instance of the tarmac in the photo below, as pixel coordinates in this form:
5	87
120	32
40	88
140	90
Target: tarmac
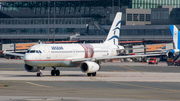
116	81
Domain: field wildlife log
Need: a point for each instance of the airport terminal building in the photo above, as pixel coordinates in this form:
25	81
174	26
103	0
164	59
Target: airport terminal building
86	20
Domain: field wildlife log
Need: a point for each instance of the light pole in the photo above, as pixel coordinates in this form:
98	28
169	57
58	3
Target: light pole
48	20
113	8
54	23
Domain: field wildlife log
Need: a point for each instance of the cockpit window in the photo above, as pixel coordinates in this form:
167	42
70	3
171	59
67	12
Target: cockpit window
28	51
32	51
40	51
37	51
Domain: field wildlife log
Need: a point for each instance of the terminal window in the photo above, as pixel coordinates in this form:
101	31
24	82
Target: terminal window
141	17
135	17
148	17
129	17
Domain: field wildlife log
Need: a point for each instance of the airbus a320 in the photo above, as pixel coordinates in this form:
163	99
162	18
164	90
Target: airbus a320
86	56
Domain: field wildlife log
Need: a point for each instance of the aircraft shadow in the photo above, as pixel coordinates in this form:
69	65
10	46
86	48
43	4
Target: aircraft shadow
71	75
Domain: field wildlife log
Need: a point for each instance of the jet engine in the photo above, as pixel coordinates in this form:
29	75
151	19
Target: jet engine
89	67
175	51
31	68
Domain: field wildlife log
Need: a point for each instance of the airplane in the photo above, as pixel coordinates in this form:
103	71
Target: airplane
86	56
175	35
174	53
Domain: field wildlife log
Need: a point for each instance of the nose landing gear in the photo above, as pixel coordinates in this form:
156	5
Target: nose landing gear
39	74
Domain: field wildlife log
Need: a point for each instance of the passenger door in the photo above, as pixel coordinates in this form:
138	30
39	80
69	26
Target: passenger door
48	50
74	52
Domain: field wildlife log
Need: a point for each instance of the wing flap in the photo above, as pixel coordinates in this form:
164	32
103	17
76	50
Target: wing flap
127	56
81	59
132	48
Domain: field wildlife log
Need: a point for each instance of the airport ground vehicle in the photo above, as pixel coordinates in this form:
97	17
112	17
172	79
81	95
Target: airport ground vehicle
170	61
153	61
173	62
177	63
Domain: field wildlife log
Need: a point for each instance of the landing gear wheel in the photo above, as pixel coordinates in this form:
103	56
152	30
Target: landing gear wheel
57	72
39	74
53	72
88	74
94	74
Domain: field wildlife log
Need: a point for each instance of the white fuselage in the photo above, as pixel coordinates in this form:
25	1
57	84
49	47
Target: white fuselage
60	55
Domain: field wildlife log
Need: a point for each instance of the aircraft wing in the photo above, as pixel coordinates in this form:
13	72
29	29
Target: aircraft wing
162	50
132	48
15	54
81	59
112	57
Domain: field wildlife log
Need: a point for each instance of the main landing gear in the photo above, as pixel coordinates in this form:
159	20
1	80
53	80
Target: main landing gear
91	74
55	72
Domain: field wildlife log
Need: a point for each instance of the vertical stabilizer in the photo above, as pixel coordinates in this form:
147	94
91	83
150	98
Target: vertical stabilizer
175	35
113	35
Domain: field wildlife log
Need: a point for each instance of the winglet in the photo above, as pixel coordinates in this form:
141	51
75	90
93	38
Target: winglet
175	35
113	35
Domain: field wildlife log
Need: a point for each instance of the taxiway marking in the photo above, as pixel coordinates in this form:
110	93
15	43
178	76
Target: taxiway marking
39	85
132	69
137	96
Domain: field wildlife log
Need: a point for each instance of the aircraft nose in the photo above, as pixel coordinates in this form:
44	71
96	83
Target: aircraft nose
28	57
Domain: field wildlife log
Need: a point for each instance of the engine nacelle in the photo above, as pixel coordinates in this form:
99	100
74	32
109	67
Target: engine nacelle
89	67
31	68
175	51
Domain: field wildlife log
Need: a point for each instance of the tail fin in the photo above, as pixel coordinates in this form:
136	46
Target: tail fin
113	35
175	35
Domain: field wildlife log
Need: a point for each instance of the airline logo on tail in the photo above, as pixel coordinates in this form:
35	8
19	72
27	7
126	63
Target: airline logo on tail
115	36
